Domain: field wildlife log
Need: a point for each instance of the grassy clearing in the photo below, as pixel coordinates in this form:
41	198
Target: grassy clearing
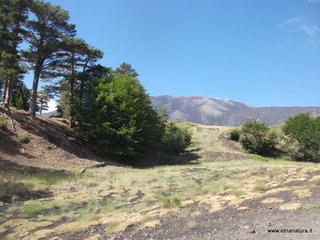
118	197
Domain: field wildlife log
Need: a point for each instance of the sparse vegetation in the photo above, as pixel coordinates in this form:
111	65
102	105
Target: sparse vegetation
23	139
261	186
191	224
171	202
3	123
33	209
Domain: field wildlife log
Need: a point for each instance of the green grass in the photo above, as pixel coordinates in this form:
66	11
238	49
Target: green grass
238	192
33	209
309	206
261	186
191	224
23	139
171	202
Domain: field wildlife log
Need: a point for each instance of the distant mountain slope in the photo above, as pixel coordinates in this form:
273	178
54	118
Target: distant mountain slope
212	111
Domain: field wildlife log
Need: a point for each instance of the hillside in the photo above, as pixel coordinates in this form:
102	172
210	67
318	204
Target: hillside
51	143
212	111
218	193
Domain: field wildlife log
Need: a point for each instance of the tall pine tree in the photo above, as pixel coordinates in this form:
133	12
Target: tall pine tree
12	14
45	33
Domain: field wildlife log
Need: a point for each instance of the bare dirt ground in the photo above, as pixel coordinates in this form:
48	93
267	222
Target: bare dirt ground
52	143
221	193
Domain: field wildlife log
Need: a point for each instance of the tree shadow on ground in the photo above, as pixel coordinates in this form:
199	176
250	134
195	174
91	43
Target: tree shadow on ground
153	159
12	174
11	147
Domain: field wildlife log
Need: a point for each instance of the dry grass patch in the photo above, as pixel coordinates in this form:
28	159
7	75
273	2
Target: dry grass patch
302	193
290	206
196	213
94	237
242	208
276	190
151	224
272	200
260	186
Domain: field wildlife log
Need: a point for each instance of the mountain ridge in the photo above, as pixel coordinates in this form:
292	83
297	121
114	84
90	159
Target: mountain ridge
224	112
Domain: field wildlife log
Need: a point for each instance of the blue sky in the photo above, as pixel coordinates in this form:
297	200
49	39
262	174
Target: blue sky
259	52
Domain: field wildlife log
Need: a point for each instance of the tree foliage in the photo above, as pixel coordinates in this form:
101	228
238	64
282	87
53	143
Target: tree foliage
45	34
13	13
118	117
175	139
304	130
258	138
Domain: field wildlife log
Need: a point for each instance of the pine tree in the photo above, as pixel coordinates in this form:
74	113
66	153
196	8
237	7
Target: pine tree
45	34
12	14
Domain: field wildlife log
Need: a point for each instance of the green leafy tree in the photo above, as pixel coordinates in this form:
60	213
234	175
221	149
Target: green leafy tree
304	131
258	138
13	13
45	33
118	117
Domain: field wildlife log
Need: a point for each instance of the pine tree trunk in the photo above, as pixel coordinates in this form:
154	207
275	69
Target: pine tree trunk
33	100
6	94
71	99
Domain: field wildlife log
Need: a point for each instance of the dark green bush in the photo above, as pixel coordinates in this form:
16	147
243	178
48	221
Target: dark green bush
23	139
175	139
234	134
258	138
304	132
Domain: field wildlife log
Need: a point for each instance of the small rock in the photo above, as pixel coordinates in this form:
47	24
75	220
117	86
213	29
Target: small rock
253	231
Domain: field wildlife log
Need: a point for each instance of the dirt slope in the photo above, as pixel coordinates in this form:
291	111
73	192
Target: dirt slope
52	143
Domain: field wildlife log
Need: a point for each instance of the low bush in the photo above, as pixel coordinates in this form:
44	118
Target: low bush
23	139
257	138
234	134
175	139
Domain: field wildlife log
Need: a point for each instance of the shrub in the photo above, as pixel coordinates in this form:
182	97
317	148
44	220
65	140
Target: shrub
304	132
234	134
175	139
23	139
258	138
3	123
